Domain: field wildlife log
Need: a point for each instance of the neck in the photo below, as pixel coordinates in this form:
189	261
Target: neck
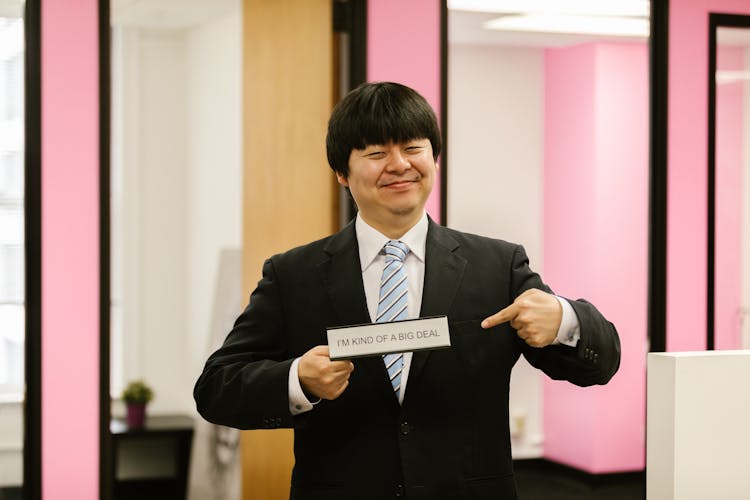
394	228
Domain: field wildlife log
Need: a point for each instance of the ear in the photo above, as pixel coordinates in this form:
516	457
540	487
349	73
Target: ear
437	166
342	180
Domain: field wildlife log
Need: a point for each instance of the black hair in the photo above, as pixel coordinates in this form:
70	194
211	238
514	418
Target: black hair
378	113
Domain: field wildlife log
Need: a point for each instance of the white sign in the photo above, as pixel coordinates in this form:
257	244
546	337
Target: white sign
347	342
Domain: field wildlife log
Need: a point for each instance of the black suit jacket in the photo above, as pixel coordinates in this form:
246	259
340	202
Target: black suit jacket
450	438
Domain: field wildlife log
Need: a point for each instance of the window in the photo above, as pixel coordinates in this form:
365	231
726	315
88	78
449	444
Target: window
11	210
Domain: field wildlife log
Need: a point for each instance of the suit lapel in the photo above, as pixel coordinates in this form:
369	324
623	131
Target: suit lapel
341	273
443	272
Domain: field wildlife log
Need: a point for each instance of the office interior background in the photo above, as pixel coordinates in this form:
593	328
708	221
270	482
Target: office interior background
165	148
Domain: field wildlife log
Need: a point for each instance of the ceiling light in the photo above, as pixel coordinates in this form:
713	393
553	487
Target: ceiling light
728	76
621	8
581	25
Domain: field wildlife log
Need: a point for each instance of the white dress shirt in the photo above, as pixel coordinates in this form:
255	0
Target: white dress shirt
372	260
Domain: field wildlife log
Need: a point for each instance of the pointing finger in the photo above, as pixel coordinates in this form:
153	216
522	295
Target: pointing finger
506	314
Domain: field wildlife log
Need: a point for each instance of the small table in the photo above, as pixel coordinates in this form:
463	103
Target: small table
152	461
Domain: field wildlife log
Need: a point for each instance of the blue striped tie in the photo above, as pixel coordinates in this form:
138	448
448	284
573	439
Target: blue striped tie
393	303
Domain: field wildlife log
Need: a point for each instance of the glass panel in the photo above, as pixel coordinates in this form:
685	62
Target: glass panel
548	132
12	318
732	189
175	209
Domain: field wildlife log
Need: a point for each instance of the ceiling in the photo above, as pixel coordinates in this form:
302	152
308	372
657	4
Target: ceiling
735	37
11	8
169	14
465	28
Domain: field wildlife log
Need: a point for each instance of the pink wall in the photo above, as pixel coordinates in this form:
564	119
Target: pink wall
687	152
729	187
70	250
403	45
595	241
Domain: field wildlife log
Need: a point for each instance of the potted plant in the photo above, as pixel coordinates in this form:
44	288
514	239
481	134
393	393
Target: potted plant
136	396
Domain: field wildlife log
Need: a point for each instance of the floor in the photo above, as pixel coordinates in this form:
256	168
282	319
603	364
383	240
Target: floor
10	493
537	480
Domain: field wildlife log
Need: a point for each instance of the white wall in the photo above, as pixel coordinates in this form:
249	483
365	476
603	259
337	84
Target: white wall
495	162
156	283
181	188
214	161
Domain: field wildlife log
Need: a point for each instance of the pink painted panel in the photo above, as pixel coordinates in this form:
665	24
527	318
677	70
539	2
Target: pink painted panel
729	187
569	84
622	180
568	129
70	250
687	152
403	45
595	241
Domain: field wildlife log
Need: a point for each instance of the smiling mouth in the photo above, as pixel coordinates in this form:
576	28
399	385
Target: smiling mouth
400	183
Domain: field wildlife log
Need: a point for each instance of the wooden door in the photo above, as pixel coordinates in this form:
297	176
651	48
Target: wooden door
289	190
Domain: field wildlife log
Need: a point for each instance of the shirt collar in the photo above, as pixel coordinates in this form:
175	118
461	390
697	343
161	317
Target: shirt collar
371	241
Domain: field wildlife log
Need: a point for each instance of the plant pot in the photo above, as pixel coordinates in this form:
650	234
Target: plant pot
136	415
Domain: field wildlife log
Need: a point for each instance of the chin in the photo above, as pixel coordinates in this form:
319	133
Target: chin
404	210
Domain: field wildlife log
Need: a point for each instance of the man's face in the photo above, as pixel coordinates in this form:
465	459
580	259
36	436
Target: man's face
391	182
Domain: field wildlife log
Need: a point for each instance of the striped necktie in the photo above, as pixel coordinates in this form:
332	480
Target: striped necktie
393	303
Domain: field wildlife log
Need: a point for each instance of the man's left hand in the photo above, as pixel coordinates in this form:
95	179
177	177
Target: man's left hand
536	316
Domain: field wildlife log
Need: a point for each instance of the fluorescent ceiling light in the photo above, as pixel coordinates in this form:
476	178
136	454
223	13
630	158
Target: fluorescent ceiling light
581	25
618	8
732	76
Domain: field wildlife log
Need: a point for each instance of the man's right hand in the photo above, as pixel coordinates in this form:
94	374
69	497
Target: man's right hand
322	377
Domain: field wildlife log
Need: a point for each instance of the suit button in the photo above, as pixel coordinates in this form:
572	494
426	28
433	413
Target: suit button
399	491
405	428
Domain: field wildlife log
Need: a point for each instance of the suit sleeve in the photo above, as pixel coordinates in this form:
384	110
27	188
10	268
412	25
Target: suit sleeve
244	383
596	357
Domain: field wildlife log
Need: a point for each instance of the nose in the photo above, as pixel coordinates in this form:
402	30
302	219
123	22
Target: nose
398	161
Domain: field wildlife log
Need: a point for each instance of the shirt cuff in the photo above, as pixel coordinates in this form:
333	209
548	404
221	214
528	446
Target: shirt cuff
570	330
298	402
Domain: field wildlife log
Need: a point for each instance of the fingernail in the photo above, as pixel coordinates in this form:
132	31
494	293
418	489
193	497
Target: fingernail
484	324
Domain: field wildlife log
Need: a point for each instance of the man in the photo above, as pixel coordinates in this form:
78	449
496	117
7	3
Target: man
431	424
